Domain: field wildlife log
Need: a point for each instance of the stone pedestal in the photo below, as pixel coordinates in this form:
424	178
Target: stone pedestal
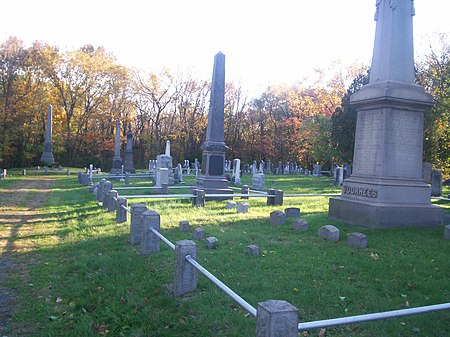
47	155
117	160
128	165
386	187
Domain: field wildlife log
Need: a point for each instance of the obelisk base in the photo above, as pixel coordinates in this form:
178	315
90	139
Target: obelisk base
385	203
116	167
214	185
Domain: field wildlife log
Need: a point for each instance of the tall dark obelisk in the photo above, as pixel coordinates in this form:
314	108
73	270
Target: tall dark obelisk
212	178
386	188
128	165
117	160
47	155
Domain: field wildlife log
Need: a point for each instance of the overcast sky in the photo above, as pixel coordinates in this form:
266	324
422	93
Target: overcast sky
264	41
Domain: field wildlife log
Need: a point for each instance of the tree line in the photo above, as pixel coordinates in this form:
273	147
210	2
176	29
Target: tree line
89	90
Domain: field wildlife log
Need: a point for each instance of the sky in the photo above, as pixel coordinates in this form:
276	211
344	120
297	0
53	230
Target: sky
265	42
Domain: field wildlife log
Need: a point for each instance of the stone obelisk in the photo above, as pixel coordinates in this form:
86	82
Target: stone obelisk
117	161
47	155
128	165
386	188
212	178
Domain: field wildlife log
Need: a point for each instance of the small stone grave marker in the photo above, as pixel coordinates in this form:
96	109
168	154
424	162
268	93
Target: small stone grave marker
252	250
242	207
329	232
199	234
230	205
300	225
211	242
277	218
357	240
292	212
184	226
447	232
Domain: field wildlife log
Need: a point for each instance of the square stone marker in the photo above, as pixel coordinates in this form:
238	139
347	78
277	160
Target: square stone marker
357	240
300	225
252	250
230	205
447	232
242	207
292	212
199	234
211	242
184	226
329	232
277	218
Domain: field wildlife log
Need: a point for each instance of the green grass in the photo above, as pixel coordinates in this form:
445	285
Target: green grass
85	278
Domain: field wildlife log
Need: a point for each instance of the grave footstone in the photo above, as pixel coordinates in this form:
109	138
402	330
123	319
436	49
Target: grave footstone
277	218
292	212
300	225
357	240
230	205
436	183
212	242
242	207
252	250
329	232
184	226
198	234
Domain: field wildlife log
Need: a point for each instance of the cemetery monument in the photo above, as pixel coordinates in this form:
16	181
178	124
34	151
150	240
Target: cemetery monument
128	165
212	178
386	188
47	155
117	160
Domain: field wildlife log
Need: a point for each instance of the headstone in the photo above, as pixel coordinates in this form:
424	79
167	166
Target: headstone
198	234
128	165
230	205
277	218
278	198
357	240
47	155
386	188
426	172
117	160
339	176
258	181
292	212
245	190
237	171
162	176
436	183
300	225
252	250
184	226
212	178
179	174
242	207
211	242
271	197
329	232
199	198
268	167
447	232
317	170
121	214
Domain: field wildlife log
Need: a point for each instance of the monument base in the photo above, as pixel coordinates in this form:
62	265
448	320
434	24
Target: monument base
376	215
214	185
47	158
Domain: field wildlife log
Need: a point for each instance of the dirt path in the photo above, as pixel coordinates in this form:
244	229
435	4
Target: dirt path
20	204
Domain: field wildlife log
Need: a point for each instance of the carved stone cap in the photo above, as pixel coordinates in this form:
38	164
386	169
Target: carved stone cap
214	146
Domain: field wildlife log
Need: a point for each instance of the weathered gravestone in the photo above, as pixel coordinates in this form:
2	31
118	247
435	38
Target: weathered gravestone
329	232
300	225
436	183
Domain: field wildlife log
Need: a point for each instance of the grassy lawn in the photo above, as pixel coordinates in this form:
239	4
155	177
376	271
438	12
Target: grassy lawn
83	278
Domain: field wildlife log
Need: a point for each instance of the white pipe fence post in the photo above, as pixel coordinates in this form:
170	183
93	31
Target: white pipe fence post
135	222
150	243
121	214
276	319
185	275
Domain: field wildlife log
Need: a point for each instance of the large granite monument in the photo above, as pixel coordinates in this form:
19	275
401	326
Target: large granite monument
128	165
117	160
47	155
386	188
212	178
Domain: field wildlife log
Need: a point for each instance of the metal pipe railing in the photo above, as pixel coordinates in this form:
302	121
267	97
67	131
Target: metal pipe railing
158	234
150	187
222	286
371	317
157	196
312	195
125	208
